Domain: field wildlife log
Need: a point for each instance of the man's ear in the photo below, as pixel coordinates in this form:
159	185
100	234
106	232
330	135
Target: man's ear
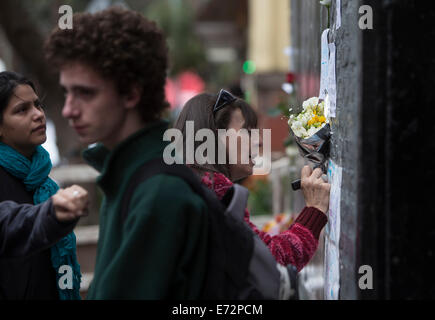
132	98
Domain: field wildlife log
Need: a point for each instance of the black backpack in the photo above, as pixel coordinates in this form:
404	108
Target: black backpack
239	264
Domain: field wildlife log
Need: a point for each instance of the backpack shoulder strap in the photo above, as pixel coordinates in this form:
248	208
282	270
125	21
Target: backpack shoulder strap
237	199
158	166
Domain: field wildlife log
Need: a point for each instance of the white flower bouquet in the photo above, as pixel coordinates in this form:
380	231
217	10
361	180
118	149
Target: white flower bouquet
311	132
310	120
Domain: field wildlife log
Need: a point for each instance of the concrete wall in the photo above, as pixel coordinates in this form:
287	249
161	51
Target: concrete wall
307	23
384	141
345	141
309	19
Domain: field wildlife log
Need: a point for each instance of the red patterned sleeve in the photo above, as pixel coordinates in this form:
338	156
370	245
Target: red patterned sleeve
295	246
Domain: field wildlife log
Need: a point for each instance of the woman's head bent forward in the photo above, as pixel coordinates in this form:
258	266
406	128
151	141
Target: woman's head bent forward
234	114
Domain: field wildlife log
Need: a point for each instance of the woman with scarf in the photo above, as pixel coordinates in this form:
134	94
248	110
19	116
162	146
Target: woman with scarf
24	169
295	246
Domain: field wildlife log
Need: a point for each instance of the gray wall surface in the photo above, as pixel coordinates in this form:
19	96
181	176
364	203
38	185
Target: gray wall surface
309	19
345	148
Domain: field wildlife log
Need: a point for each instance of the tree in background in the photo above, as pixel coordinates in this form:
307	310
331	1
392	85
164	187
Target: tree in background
25	31
26	24
177	19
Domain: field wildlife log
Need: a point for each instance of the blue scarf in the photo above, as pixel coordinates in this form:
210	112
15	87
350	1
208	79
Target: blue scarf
34	174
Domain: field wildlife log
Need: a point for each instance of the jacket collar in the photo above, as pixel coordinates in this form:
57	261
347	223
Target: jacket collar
141	146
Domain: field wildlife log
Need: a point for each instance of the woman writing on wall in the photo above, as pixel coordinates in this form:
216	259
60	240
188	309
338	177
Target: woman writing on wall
294	246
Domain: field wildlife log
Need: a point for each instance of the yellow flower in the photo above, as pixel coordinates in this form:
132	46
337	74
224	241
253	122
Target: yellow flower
313	120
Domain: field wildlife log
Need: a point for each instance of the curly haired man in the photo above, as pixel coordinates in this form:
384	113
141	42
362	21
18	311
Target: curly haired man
112	67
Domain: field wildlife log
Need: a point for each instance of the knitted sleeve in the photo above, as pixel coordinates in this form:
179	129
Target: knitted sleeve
297	245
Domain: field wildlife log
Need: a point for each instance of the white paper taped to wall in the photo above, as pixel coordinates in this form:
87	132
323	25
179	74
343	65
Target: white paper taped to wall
324	60
332	85
332	235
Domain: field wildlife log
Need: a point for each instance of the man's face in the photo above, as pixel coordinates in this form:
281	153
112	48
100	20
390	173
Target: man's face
92	105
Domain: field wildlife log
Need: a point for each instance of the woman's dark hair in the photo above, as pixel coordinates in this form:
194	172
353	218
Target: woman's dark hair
8	82
199	109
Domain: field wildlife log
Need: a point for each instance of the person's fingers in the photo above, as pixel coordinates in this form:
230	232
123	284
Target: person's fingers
321	180
63	203
77	195
71	203
306	172
317	173
74	201
77	191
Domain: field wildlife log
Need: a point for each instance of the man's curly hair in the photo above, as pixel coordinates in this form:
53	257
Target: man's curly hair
121	45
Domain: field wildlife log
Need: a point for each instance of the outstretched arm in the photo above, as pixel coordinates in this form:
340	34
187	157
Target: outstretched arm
28	229
297	245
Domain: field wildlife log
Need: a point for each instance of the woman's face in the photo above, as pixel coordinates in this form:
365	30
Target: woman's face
240	170
23	126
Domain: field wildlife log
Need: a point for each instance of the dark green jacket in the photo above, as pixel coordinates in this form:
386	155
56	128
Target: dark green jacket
159	252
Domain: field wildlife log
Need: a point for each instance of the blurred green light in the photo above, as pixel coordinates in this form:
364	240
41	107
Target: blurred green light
249	67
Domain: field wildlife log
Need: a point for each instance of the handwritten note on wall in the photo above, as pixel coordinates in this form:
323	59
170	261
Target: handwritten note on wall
332	84
332	235
324	60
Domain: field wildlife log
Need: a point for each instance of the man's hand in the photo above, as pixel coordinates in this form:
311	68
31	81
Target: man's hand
70	203
315	189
